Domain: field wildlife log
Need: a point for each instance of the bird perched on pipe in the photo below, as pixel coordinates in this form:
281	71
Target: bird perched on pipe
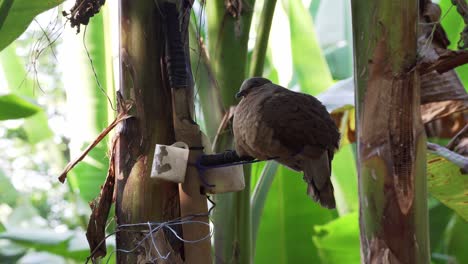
293	128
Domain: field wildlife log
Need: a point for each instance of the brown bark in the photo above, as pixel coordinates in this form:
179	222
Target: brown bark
139	198
390	135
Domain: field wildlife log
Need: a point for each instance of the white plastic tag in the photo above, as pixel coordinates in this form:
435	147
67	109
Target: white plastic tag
223	179
170	162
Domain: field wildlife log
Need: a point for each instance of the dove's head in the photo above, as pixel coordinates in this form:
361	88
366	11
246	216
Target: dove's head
250	84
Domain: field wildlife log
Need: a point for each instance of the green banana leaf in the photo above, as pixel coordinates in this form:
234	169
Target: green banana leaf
338	241
16	15
13	107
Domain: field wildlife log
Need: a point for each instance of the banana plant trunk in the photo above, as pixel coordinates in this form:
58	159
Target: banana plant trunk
140	199
228	33
391	139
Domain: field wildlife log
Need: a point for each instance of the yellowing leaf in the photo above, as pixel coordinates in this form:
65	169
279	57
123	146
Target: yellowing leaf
448	184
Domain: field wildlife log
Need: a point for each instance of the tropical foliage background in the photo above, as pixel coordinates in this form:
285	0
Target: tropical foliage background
55	89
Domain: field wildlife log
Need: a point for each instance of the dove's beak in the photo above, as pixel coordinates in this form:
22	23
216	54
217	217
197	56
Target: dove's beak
240	94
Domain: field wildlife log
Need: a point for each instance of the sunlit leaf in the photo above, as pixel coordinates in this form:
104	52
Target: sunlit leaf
48	240
313	8
16	77
24	215
36	236
8	193
37	128
5	7
338	95
288	221
40	257
308	61
10	252
338	241
19	83
448	184
14	107
17	15
339	100
88	175
260	193
335	36
345	180
27	229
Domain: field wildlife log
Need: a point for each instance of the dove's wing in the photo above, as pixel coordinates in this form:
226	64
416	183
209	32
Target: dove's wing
298	120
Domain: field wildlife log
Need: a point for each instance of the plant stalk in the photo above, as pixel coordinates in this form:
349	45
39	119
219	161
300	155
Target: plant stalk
263	34
140	199
391	139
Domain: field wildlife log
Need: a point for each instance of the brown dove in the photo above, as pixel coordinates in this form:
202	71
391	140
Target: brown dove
293	128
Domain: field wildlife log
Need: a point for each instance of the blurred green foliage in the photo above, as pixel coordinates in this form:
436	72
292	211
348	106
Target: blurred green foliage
46	224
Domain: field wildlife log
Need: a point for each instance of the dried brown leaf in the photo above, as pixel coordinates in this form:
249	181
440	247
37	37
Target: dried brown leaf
437	110
96	232
448	126
448	60
122	116
224	125
437	87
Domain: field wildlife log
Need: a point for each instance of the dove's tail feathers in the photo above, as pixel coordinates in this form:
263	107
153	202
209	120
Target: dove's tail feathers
317	175
325	197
